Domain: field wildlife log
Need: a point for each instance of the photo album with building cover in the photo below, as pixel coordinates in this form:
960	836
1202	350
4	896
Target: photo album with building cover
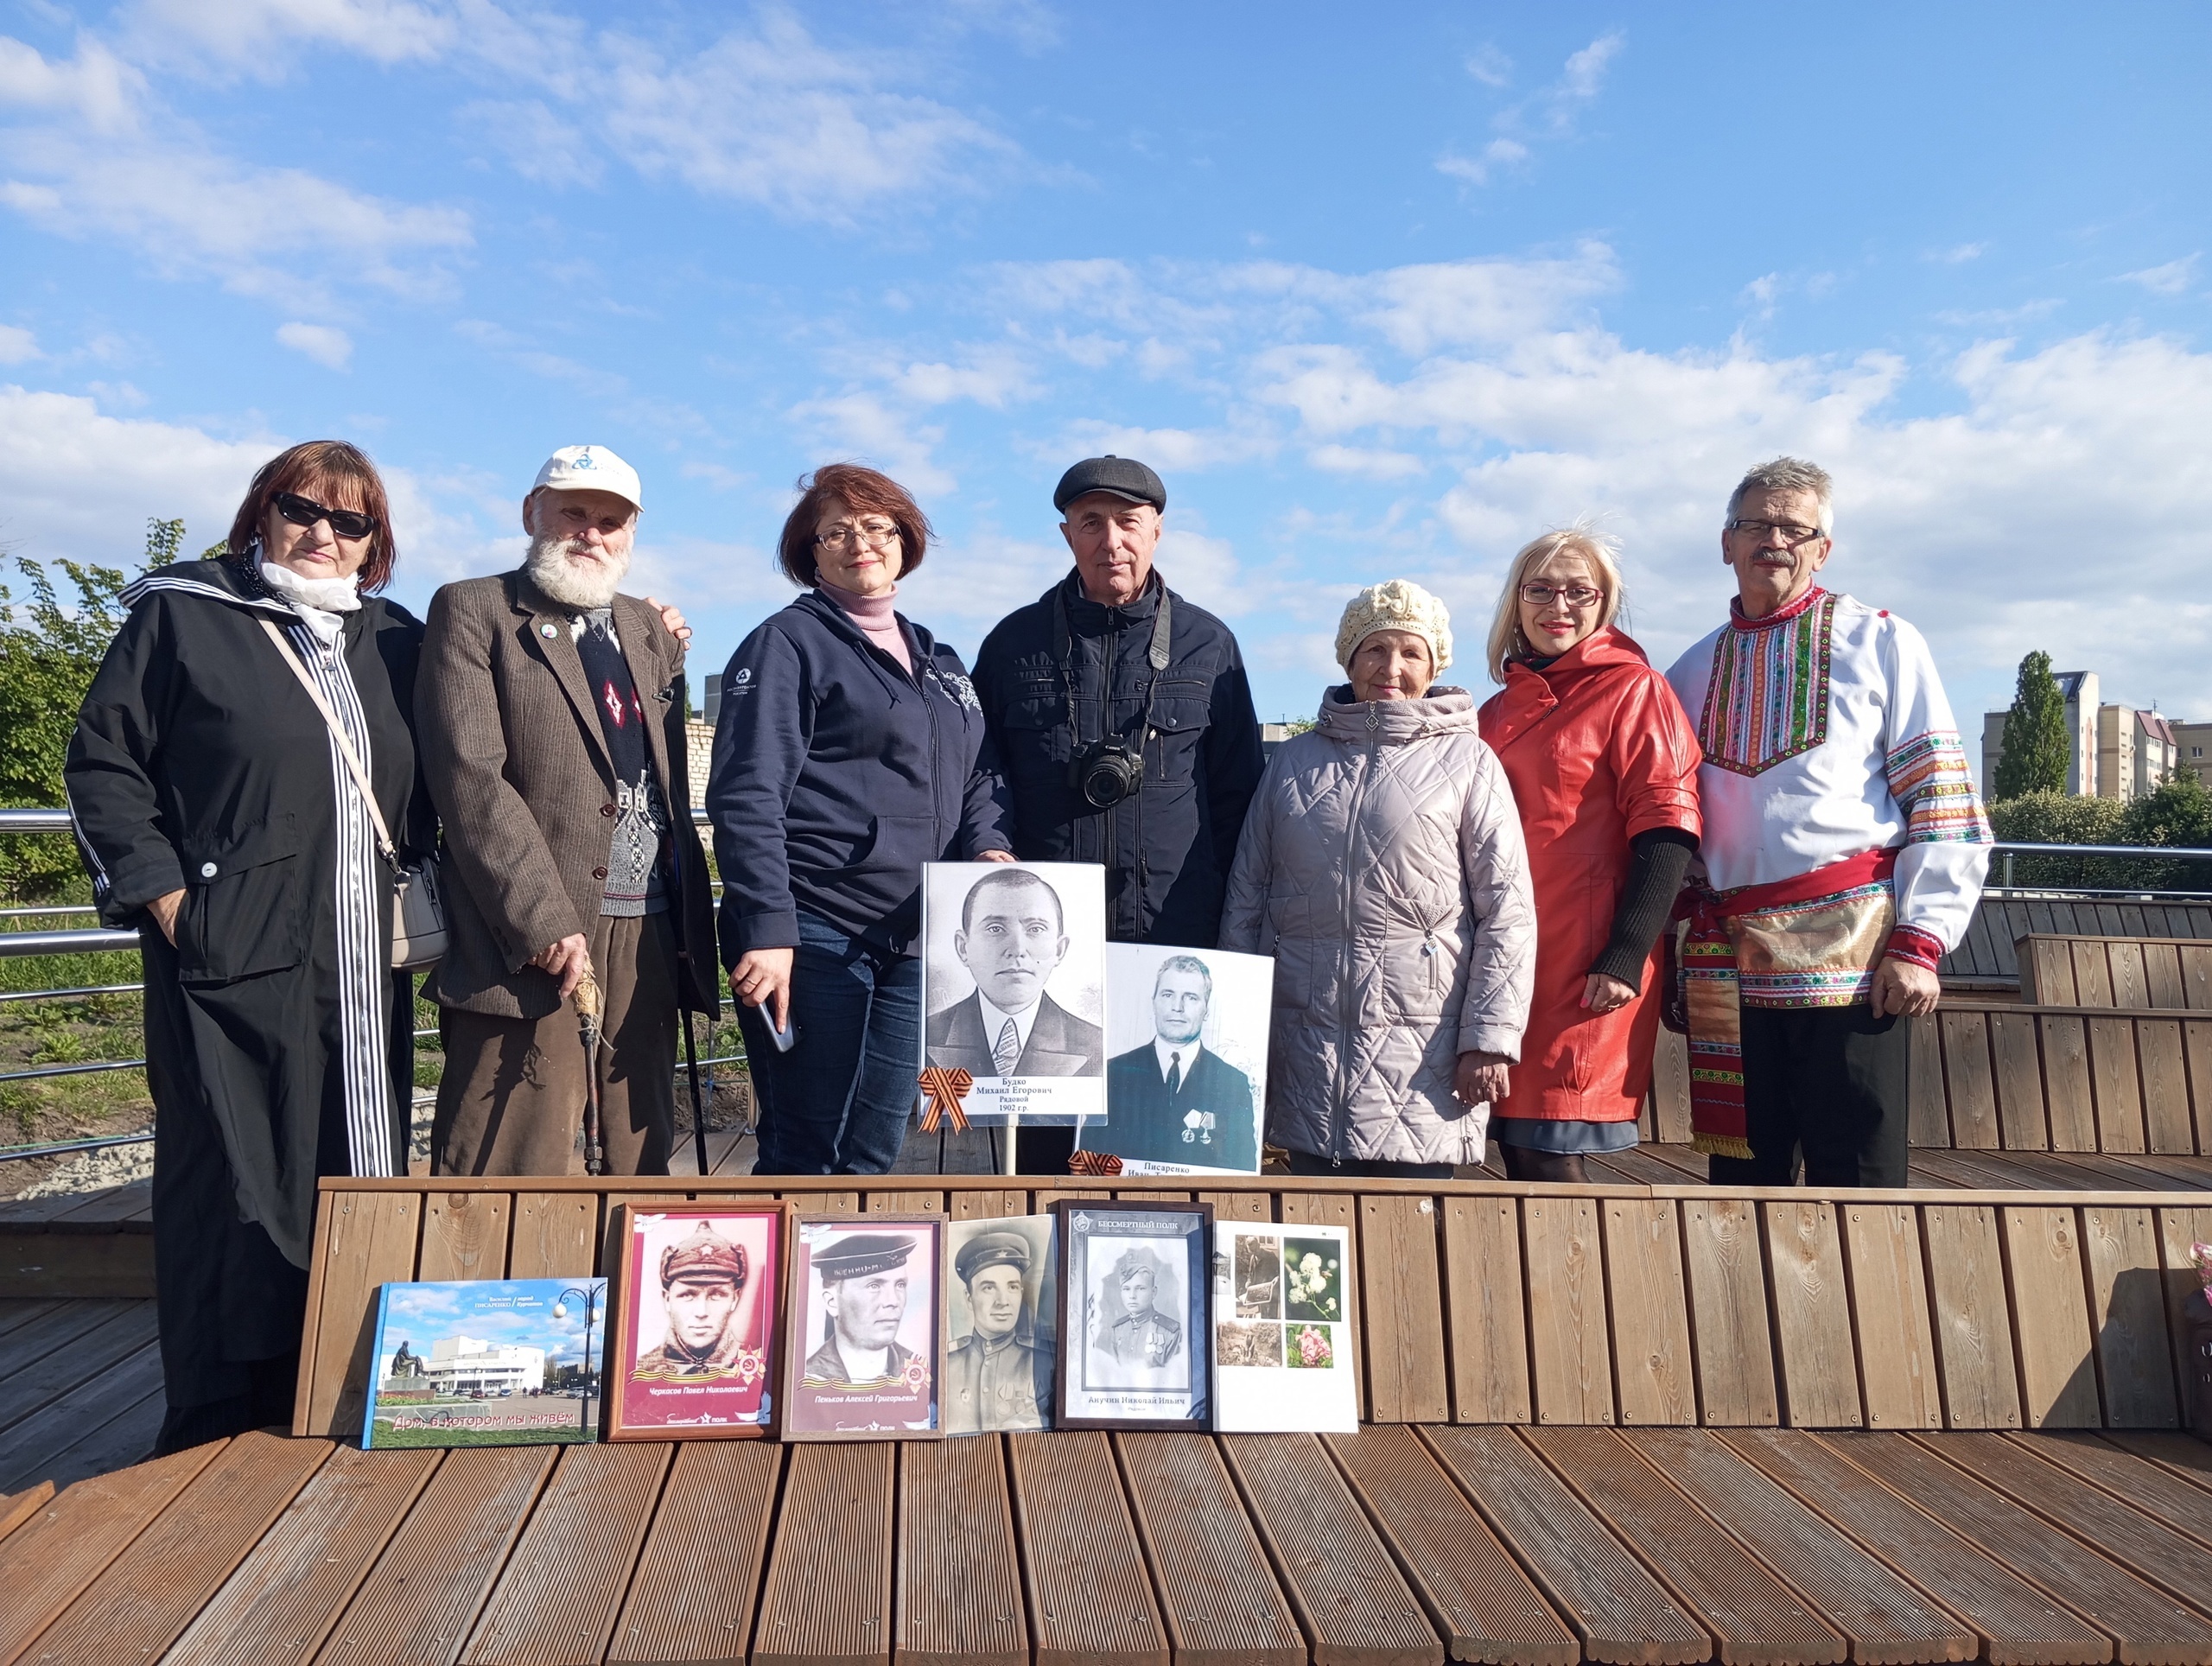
485	1362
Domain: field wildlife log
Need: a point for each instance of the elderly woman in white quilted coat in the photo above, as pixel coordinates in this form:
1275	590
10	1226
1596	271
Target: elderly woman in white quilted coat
1382	865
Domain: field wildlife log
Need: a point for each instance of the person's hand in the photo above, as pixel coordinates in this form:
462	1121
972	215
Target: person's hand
1480	1079
672	617
1906	988
1601	994
163	909
762	977
996	855
567	960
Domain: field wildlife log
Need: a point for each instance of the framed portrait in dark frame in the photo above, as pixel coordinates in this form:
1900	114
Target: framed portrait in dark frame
1135	1322
864	1345
697	1328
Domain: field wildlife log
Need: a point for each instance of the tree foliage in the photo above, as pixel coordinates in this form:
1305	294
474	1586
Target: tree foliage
2177	813
2037	748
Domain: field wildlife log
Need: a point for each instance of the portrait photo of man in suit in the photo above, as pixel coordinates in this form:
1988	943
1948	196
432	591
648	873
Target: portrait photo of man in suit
1175	1100
1012	938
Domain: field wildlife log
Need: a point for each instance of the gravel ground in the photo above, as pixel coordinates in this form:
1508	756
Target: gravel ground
95	1171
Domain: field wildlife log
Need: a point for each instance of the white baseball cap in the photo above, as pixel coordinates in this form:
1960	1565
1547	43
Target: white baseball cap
589	468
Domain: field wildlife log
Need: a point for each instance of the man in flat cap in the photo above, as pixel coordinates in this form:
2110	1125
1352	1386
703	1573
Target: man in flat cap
700	1279
864	1293
995	1375
1139	1336
1124	725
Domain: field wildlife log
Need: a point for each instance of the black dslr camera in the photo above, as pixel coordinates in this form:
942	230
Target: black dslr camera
1106	772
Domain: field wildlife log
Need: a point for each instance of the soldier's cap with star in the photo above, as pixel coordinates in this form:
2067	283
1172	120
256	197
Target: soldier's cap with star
862	1254
987	1249
1136	1261
705	1254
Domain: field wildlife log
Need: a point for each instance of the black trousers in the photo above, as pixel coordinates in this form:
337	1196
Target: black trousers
1829	1085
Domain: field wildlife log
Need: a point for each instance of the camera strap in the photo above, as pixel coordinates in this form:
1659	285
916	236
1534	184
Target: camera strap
1156	656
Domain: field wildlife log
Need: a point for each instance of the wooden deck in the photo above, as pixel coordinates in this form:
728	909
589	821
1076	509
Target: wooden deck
1393	1547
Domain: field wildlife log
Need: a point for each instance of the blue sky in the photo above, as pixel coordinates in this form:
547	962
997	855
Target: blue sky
1382	291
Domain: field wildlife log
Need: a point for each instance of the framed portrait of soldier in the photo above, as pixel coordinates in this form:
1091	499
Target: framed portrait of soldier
1001	1320
863	1350
698	1315
1186	1059
1135	1305
1283	1349
1014	974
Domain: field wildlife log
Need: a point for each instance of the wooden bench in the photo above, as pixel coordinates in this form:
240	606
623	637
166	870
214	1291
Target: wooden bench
1988	957
2156	974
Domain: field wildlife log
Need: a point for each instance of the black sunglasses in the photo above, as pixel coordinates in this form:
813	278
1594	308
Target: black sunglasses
305	512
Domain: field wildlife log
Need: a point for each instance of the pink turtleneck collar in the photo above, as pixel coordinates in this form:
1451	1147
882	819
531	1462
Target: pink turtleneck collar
876	617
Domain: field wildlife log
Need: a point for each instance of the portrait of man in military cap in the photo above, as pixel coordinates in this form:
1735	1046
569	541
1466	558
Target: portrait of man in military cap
998	1372
864	1294
1132	1330
701	1278
865	1339
1136	1318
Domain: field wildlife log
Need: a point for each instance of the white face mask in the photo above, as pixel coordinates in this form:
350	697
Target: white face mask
330	596
582	583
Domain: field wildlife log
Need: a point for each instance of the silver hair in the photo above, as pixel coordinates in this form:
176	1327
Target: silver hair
1788	475
1184	963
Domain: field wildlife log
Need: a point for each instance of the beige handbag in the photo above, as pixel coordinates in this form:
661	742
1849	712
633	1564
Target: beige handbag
418	912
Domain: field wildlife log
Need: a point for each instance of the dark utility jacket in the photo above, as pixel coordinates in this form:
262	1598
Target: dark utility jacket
837	773
1168	848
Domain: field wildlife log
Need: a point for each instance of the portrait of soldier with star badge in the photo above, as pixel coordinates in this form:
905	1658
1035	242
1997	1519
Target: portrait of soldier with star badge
1136	1323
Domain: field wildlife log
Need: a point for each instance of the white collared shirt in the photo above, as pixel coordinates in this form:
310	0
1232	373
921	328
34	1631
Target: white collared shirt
994	1022
1169	1052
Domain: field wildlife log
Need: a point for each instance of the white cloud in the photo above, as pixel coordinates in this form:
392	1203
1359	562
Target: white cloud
865	427
327	345
2175	277
1204	568
1959	254
1549	113
1477	169
542	147
1375	465
1490	66
17	346
247	36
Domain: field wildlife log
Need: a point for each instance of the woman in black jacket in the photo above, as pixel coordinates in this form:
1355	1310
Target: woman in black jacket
217	814
848	751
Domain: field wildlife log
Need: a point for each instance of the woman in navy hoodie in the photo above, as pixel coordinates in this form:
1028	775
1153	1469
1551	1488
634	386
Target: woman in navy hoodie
850	750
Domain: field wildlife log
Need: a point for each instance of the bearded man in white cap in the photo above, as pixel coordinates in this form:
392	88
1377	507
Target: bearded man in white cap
549	713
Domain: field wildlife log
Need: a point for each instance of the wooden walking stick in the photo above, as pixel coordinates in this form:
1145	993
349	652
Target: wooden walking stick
588	1007
698	1100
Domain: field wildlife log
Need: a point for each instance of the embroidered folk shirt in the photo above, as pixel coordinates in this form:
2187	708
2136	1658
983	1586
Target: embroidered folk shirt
1826	735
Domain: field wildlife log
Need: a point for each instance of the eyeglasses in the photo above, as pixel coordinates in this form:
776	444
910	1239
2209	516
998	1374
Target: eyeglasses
305	512
877	535
1792	533
1575	595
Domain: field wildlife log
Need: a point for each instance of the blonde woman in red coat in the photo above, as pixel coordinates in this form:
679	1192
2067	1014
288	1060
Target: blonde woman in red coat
1604	766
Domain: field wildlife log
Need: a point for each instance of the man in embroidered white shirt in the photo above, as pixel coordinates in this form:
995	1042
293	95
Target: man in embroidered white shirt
1844	849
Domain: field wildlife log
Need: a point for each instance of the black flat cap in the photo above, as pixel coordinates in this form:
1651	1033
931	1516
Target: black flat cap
1125	477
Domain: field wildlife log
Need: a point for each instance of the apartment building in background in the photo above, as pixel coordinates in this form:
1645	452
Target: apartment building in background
2113	751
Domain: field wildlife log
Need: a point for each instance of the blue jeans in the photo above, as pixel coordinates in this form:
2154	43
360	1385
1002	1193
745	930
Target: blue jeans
837	1102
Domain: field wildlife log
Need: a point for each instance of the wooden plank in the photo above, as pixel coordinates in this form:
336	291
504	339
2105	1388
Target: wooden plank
2149	1487
48	1560
1317	1209
2068	1095
1569	1359
2021	1117
959	1577
2148	1624
2050	1321
2196	1048
995	1205
1928	1117
1240	1205
1090	1598
1754	1616
1472	1590
1402	1310
2196	978
556	1601
44	1446
2177	1230
15	1311
2016	1621
150	1593
1811	1307
1670	1088
2131	983
1616	1609
692	1599
371	1242
2128	1317
419	1601
288	1591
1899	1379
1486	1310
906	1202
2051	1497
1221	1602
2046	972
464	1235
45	1380
1885	1619
1352	1604
16	1507
2162	975
2117	1086
121	1439
2168	1124
1972	1329
1655	1381
2187	1457
53	1331
1969	1082
1728	1316
555	1233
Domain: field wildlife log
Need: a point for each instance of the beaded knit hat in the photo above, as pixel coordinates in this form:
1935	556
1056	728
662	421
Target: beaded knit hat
1399	605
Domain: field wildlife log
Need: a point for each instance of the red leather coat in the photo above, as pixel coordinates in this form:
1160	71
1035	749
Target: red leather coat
1598	750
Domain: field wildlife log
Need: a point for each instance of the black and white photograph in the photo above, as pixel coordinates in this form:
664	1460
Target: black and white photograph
1014	987
1001	1319
1187	1033
1136	1302
1282	1334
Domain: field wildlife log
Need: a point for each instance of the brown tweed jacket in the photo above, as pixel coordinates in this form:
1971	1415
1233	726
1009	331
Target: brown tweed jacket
517	766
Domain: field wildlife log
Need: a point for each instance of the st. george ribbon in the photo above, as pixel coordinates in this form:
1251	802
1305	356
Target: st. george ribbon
946	1089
